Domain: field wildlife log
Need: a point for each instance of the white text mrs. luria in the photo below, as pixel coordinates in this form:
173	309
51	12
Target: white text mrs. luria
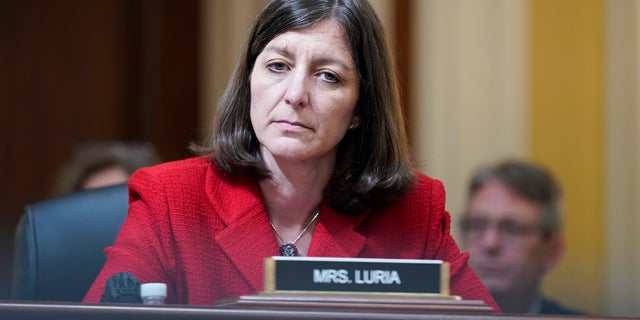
342	276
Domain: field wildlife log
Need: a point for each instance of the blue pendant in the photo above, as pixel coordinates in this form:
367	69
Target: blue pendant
288	250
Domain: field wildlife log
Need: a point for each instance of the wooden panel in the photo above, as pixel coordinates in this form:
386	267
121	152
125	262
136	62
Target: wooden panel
88	70
403	49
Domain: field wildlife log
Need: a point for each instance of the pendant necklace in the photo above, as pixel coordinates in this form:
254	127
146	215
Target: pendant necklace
289	248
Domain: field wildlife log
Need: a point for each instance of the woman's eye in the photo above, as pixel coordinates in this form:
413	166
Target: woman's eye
330	77
276	66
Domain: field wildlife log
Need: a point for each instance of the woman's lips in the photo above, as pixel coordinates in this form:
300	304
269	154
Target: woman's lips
290	124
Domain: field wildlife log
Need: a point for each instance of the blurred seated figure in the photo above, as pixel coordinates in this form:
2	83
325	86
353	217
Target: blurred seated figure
511	229
97	164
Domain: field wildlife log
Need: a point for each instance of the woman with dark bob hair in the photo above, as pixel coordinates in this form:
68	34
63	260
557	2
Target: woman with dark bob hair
308	156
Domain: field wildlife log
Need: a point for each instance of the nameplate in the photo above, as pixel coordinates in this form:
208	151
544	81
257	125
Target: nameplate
356	275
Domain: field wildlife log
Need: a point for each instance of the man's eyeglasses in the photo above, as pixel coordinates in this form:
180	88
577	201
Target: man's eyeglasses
511	232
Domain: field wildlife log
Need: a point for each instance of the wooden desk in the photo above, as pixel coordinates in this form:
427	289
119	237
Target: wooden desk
19	310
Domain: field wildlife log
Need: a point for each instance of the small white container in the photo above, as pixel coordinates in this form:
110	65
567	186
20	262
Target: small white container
153	293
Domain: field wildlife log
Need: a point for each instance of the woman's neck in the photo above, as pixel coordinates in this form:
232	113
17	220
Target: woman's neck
294	191
291	203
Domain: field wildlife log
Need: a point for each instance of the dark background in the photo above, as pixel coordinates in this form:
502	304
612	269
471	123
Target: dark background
80	70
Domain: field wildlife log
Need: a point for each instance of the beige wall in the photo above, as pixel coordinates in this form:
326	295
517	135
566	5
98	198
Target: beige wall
623	156
469	93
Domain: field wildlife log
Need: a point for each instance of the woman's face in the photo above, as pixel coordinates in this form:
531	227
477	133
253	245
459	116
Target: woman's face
304	88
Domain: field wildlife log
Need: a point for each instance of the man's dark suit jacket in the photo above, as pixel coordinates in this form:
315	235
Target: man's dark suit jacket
551	307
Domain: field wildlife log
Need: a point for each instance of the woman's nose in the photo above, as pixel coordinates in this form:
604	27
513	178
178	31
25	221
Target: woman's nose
297	93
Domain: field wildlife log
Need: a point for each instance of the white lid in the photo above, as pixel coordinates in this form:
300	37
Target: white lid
153	289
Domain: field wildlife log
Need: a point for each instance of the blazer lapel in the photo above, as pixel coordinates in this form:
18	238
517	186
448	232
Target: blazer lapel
247	238
246	242
335	235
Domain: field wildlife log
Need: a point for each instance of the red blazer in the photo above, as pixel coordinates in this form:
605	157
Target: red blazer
206	235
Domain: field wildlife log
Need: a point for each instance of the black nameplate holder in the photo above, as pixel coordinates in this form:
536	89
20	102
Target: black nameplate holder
356	276
363	287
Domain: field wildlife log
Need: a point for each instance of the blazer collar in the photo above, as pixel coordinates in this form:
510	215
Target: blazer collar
248	238
335	235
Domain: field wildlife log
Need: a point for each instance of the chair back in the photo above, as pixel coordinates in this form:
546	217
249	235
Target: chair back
59	243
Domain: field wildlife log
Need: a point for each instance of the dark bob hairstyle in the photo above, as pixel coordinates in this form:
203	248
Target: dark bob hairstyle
373	164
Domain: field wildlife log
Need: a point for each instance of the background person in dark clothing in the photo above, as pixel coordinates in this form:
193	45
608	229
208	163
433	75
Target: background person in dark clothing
511	229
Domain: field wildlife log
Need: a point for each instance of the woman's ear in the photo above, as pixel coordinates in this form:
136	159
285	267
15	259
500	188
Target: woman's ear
355	122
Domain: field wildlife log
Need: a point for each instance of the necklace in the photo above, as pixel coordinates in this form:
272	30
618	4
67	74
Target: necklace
288	248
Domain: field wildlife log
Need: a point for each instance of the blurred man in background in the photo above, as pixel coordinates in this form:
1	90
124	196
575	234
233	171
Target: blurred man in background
511	229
